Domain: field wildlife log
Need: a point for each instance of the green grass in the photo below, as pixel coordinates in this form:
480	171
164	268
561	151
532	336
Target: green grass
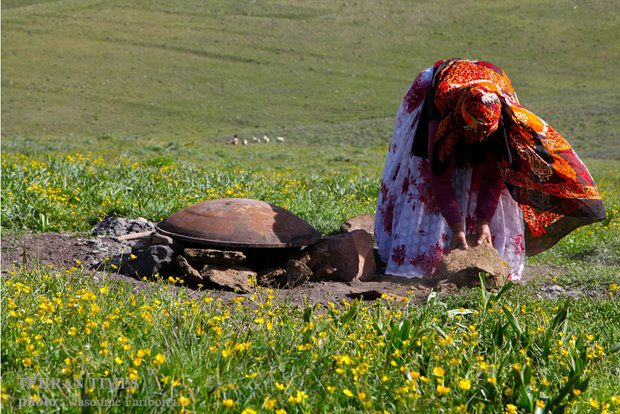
470	353
158	72
510	352
73	193
123	107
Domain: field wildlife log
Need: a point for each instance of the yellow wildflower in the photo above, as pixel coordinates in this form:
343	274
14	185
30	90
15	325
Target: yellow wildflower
298	398
159	359
441	390
184	401
269	403
464	384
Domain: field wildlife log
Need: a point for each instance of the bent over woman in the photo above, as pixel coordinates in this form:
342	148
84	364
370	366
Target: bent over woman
467	158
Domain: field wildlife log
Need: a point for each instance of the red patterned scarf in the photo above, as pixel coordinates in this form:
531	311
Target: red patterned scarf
543	173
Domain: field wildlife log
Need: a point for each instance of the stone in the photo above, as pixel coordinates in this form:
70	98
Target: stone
154	259
140	245
139	225
374	294
94	243
272	277
111	226
446	287
230	278
321	271
213	256
462	267
118	226
297	273
158	238
191	274
161	239
363	222
351	254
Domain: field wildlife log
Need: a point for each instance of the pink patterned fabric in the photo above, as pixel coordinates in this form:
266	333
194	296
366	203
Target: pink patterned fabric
410	231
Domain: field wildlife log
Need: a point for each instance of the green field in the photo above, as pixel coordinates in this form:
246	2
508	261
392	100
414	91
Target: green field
124	107
166	73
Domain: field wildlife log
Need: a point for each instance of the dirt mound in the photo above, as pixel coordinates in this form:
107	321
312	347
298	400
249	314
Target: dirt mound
463	267
61	250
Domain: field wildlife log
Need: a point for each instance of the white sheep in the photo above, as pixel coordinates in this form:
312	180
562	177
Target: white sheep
280	139
266	139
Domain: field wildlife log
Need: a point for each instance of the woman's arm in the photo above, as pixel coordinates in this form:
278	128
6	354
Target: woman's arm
444	195
491	186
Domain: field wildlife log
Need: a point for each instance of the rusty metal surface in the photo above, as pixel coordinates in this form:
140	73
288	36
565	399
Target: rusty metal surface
238	222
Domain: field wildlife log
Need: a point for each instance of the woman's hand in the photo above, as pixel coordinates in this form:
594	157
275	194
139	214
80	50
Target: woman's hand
458	238
483	232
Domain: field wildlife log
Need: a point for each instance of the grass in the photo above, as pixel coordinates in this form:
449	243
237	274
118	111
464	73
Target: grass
123	108
505	352
73	193
513	352
178	72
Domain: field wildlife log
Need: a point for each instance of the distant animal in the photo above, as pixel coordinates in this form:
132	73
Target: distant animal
255	139
266	139
280	139
234	140
244	142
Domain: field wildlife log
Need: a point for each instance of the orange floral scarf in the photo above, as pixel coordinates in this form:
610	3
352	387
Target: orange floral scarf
541	170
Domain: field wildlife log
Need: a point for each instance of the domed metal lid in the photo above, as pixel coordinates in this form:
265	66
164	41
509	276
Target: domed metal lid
238	222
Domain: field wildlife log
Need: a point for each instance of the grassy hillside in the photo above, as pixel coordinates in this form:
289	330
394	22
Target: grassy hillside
78	74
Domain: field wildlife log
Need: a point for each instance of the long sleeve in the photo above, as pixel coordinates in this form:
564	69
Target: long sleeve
491	186
442	185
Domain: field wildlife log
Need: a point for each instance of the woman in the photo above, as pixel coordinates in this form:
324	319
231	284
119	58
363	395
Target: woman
467	158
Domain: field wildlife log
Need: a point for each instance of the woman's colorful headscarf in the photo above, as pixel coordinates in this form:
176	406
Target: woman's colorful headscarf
481	110
541	171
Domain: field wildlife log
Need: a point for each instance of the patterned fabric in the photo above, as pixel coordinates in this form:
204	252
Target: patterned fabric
481	110
411	233
549	192
454	79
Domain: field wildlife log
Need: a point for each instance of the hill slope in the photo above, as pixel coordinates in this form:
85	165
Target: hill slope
181	70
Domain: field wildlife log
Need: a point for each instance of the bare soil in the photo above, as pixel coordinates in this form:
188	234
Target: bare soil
66	250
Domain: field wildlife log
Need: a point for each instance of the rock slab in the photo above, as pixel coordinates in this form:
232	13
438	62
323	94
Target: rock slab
232	278
362	222
213	256
350	254
154	259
